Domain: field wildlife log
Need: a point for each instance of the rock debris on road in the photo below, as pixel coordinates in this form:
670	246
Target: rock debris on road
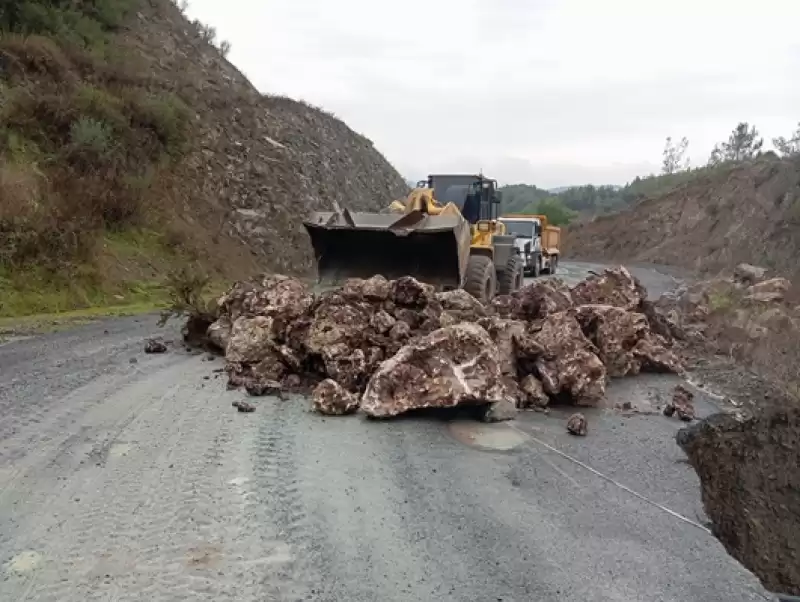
129	482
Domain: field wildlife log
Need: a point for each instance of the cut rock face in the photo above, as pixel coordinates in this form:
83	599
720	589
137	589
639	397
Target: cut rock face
451	366
749	469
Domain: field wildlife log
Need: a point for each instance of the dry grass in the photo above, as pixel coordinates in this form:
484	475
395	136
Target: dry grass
86	144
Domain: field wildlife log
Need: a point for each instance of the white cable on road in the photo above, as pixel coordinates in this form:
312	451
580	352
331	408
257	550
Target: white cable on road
616	483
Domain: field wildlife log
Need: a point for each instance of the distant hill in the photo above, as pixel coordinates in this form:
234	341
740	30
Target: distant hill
712	220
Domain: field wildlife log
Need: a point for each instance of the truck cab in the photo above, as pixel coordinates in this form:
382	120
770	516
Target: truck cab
536	241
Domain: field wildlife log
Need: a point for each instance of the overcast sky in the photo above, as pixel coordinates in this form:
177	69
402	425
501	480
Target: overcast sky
547	92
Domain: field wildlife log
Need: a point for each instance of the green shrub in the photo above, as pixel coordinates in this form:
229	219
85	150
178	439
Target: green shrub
167	117
90	139
87	22
101	105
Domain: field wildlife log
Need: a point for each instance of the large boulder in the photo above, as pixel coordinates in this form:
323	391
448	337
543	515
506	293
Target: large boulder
410	292
345	365
250	339
219	332
533	391
569	367
542	298
279	297
615	286
624	341
376	289
338	319
449	367
506	334
535	301
459	306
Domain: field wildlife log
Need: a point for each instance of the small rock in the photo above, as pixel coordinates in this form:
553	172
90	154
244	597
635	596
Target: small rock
748	274
257	388
500	411
292	381
681	404
133	360
244	406
155	346
577	424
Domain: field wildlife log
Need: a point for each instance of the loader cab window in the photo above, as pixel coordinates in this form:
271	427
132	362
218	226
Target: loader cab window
472	205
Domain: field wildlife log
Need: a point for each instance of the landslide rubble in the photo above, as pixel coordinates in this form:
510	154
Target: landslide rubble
389	347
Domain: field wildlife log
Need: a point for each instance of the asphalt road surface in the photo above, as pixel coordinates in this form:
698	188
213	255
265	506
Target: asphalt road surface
130	477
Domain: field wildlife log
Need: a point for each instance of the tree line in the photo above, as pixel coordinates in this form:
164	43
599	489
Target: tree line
744	143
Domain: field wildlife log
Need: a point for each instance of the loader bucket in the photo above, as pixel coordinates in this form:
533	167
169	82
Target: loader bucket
431	248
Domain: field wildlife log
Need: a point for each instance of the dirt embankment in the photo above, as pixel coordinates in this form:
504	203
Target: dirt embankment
747	213
744	331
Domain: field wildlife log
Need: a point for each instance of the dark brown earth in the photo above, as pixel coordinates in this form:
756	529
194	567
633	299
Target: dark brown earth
748	467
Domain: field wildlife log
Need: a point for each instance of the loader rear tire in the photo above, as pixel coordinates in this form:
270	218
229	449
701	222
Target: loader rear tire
512	278
481	281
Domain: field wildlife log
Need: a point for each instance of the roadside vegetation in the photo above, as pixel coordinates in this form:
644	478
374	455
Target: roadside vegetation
89	149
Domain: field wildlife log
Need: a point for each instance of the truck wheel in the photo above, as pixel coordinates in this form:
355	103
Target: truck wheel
536	268
553	264
512	278
481	280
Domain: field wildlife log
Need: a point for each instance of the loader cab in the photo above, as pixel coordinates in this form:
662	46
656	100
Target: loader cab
475	196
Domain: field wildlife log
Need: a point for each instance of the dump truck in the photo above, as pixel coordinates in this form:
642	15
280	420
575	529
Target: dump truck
444	233
536	240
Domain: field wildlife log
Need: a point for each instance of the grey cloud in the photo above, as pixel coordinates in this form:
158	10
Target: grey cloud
549	91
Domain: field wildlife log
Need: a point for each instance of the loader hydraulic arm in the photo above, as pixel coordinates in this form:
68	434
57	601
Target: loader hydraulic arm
419	199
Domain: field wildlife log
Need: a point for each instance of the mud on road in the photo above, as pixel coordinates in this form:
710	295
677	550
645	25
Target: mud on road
136	480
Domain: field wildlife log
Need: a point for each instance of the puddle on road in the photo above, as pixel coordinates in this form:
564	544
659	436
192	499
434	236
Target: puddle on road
119	449
24	562
491	437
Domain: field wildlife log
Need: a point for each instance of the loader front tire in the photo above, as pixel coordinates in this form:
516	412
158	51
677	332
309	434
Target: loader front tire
512	278
481	281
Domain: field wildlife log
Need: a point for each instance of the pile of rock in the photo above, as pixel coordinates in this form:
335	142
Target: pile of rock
746	306
388	347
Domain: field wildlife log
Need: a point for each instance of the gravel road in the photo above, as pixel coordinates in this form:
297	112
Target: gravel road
130	477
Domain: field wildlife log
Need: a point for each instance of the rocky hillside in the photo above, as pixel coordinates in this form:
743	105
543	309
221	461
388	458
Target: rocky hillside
747	213
129	144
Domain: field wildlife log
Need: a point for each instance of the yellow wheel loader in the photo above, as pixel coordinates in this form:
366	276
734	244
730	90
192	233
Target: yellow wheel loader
445	233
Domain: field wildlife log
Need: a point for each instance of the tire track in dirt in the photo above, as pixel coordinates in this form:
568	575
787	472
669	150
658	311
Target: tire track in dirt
277	491
163	512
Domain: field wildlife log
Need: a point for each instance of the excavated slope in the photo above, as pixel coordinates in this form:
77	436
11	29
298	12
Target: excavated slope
748	213
261	162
